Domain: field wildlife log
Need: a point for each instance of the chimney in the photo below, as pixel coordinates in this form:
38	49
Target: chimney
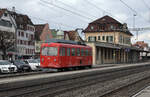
13	9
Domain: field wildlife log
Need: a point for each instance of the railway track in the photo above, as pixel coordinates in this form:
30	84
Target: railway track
66	85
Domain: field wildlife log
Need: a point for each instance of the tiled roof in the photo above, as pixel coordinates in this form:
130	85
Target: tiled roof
19	18
74	36
141	44
22	20
103	25
106	19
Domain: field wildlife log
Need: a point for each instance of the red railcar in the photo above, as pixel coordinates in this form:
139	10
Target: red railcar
61	55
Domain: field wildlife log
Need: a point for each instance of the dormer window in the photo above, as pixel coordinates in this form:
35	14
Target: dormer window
111	27
92	27
103	19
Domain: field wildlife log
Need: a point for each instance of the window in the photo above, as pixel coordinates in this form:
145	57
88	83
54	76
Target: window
86	52
22	34
49	51
103	37
19	33
78	51
92	38
73	52
107	38
111	38
62	51
5	23
68	51
21	42
121	39
111	27
99	37
82	52
92	27
127	40
26	35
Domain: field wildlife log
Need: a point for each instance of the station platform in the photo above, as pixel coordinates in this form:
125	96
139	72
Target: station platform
143	93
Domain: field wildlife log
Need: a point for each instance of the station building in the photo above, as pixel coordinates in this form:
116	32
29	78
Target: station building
111	42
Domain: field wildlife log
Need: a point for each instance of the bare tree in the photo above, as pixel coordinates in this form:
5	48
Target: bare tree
7	41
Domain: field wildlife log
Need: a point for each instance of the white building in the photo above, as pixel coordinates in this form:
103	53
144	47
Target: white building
24	32
7	25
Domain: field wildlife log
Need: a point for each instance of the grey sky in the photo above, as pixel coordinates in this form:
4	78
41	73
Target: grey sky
42	12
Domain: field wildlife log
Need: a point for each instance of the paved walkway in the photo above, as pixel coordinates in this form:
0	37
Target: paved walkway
144	93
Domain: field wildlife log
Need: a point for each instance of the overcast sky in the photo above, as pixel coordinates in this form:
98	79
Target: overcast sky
72	14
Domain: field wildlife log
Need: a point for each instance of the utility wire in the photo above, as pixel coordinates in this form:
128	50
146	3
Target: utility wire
46	20
75	8
44	5
94	5
129	7
134	11
146	4
75	13
147	7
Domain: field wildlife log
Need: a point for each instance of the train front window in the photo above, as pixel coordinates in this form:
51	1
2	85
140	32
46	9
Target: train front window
50	51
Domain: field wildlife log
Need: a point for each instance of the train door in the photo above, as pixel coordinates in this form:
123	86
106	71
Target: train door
82	54
73	54
68	58
79	58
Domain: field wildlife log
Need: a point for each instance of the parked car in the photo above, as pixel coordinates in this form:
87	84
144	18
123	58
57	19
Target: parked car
34	65
7	67
21	65
38	61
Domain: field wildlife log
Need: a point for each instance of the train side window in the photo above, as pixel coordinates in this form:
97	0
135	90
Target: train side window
73	52
82	52
62	51
86	52
78	51
68	51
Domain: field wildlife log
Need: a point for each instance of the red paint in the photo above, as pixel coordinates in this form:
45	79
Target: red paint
66	61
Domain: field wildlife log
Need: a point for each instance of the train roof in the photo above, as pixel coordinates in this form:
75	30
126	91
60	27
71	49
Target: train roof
64	41
59	42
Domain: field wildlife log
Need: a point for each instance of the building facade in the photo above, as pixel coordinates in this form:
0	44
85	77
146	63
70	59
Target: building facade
6	27
24	34
146	49
74	36
42	33
111	41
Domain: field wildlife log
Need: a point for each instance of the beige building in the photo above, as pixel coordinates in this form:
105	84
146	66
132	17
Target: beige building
111	41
